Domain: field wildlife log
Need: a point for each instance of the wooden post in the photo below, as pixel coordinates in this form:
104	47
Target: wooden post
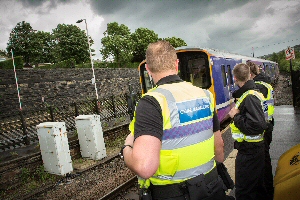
51	113
114	106
24	128
96	106
76	109
293	84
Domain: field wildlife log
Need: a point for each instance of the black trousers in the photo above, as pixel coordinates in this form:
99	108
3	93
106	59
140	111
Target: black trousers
268	176
213	191
249	174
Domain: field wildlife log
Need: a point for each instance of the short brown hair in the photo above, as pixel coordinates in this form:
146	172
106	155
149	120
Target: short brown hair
253	68
160	56
241	72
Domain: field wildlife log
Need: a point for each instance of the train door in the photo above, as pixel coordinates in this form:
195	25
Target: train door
223	84
194	68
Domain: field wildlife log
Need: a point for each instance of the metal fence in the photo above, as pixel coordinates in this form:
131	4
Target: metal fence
19	128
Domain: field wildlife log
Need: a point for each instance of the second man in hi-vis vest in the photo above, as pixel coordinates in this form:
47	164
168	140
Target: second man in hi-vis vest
264	86
247	129
175	137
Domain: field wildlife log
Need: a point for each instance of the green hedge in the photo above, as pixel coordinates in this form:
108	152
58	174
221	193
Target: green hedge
70	63
107	65
8	64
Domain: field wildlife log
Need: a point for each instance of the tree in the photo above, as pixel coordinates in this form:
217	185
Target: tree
176	42
42	46
141	38
70	42
20	39
117	43
274	57
3	53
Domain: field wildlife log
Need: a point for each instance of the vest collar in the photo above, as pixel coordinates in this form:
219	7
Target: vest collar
249	85
169	79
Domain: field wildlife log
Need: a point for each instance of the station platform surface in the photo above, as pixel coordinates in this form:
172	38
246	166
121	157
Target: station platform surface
286	134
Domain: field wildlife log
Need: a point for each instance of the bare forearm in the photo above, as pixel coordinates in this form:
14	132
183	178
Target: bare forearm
219	147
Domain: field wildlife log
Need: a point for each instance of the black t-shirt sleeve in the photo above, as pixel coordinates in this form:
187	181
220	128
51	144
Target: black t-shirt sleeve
216	122
149	120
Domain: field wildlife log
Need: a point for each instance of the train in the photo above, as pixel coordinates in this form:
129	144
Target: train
212	70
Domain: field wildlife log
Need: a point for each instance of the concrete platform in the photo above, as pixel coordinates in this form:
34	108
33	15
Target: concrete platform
286	134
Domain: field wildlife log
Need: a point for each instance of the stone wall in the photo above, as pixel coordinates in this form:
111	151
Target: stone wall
62	86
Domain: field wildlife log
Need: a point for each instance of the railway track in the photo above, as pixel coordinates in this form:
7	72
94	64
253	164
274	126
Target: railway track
11	171
69	178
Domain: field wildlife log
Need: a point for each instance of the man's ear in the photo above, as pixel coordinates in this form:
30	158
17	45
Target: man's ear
147	68
177	64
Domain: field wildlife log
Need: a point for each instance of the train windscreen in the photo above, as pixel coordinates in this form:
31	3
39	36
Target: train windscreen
146	79
194	68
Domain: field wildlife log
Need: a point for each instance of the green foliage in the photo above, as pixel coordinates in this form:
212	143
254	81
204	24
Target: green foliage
117	43
108	65
296	65
70	42
70	63
20	41
25	175
8	64
141	38
42	48
176	42
41	174
3	53
284	65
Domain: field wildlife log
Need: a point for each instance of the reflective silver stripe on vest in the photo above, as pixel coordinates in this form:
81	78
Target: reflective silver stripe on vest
208	95
254	137
246	137
190	173
188	140
271	101
237	135
174	116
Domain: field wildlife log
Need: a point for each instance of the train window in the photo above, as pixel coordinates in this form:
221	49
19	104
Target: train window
194	67
224	75
260	68
267	70
229	75
148	80
198	72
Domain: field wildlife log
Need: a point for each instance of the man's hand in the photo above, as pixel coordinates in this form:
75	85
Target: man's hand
233	112
129	140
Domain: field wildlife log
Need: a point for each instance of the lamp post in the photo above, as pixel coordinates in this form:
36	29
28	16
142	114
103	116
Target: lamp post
87	34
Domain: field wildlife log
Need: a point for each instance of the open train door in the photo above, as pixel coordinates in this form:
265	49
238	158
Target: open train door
287	176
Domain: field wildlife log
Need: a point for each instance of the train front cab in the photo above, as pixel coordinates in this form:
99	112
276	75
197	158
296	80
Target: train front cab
202	70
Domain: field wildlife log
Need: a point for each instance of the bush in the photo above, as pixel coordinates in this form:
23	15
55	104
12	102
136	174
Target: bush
8	64
70	63
108	65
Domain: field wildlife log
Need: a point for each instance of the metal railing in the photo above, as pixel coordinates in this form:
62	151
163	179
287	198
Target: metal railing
19	128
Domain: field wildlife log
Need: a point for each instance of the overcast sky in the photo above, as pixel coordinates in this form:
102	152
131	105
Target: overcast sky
233	26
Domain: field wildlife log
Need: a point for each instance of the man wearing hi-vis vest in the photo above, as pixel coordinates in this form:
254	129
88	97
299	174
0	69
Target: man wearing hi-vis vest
175	135
247	129
264	86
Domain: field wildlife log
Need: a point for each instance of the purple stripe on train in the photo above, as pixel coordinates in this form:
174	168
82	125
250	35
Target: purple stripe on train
186	130
222	112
